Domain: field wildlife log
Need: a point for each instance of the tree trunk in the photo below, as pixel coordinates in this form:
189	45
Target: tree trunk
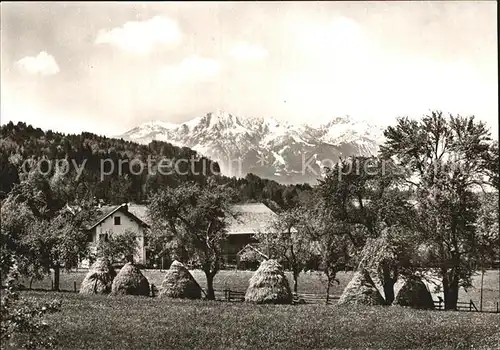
210	285
388	282
450	291
329	283
57	275
482	281
389	291
295	280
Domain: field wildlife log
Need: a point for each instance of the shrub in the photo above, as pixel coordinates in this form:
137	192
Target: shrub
22	323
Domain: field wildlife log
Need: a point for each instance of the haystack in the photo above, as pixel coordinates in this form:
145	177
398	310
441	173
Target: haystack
179	283
269	285
99	278
361	291
415	294
130	281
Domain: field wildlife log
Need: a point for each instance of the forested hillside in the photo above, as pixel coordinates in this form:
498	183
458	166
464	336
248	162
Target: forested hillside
107	169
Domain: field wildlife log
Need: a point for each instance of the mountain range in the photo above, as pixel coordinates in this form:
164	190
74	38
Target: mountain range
278	150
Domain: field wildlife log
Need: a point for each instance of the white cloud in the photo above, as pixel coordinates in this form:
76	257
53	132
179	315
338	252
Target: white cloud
340	40
191	68
43	64
141	36
247	52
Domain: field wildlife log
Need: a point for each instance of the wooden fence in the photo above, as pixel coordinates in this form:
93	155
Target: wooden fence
467	306
301	298
461	305
308	298
305	298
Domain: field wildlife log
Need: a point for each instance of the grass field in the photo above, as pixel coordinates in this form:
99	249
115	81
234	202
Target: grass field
101	322
309	282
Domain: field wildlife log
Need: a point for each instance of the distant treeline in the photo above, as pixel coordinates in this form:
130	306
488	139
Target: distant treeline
108	169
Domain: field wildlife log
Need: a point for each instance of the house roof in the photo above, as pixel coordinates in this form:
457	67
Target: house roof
107	211
250	218
140	211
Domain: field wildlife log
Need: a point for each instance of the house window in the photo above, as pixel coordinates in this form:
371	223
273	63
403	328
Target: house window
117	220
103	237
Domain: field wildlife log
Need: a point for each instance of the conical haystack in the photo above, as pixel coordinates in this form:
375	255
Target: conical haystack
361	291
99	278
130	281
415	294
179	283
269	285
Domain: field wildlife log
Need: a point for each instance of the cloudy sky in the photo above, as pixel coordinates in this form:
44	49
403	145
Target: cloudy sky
106	68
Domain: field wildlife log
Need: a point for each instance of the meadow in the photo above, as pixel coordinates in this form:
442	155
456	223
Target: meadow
102	322
309	282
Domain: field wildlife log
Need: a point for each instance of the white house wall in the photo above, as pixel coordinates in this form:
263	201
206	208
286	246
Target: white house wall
126	223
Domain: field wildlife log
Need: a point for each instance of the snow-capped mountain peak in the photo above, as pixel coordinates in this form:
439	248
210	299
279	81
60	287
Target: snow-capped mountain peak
270	148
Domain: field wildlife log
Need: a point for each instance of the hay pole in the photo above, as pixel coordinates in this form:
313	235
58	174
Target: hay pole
254	249
202	290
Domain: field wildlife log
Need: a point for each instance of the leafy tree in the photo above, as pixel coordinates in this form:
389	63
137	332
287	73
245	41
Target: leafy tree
365	195
488	231
192	220
445	159
7	253
118	247
396	252
493	165
286	242
43	233
8	175
330	245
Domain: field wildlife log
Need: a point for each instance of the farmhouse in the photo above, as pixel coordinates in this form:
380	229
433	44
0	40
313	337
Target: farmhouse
118	219
250	219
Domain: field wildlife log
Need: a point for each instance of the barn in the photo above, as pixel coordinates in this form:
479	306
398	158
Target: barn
250	219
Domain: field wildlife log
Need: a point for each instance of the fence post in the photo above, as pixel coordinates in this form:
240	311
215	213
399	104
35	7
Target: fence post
51	283
74	286
482	279
152	290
